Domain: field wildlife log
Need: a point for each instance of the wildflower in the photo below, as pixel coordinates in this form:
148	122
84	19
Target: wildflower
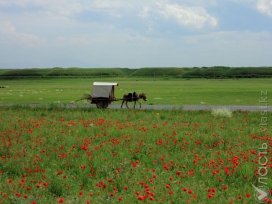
140	197
213	190
170	192
61	200
210	195
227	170
120	199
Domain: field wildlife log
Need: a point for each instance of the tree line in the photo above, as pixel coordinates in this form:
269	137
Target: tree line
164	72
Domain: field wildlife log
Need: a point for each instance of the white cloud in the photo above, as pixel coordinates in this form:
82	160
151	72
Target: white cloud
8	34
265	6
188	16
186	13
130	33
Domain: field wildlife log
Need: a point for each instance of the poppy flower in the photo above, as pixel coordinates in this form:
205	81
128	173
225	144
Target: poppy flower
61	200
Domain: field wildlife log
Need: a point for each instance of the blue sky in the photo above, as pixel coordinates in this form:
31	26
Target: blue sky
135	34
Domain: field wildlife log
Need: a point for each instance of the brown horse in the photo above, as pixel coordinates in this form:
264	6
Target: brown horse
133	97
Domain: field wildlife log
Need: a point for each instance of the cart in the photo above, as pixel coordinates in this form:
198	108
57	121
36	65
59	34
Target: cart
103	94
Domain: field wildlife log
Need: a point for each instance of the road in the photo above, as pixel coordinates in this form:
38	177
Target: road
262	107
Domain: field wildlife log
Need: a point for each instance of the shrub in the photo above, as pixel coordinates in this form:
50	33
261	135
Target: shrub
222	112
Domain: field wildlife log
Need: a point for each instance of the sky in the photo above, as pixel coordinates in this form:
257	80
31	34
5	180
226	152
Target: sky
135	33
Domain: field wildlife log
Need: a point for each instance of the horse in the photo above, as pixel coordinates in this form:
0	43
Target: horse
133	97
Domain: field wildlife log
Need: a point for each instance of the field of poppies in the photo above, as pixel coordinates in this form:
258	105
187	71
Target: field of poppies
54	155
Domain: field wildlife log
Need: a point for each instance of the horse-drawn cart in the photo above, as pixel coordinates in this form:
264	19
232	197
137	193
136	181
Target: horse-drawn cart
102	94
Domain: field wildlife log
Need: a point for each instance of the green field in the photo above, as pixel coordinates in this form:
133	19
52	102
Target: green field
125	156
159	91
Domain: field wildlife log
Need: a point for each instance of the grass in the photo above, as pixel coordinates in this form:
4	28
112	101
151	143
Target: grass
159	91
125	156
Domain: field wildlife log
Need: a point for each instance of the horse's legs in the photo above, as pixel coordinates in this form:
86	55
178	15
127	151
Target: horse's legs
126	104
134	104
122	103
140	104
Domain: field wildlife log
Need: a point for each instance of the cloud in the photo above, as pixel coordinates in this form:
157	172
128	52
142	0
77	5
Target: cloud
9	35
188	16
265	7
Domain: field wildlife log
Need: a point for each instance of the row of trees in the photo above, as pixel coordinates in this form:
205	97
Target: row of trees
218	72
165	72
64	72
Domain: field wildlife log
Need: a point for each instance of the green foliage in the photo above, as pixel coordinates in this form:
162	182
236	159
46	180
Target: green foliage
94	72
22	73
159	72
155	72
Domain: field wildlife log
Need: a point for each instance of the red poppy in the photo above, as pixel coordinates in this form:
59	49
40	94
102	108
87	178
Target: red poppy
248	195
61	200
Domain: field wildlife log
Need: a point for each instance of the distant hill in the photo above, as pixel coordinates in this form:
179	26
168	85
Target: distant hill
164	72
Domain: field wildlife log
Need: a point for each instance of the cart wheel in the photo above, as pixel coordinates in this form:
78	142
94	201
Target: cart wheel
101	104
105	105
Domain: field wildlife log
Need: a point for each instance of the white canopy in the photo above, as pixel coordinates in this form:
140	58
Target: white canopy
103	89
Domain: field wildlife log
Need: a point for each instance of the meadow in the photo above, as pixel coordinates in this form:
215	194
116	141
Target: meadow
54	155
176	91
